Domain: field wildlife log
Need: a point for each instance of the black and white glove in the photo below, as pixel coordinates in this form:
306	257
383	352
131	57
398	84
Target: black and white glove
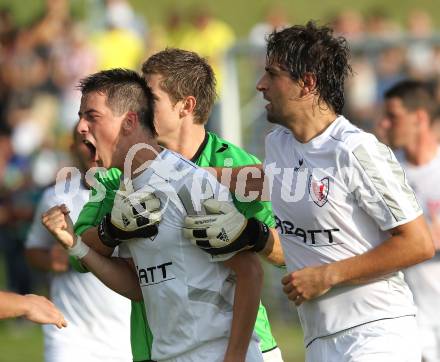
225	230
133	216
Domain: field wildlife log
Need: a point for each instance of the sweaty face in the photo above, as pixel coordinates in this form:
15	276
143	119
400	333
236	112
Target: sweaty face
100	127
402	123
281	91
166	113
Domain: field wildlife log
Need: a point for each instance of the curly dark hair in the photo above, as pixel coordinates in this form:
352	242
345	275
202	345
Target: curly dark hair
312	49
126	91
184	73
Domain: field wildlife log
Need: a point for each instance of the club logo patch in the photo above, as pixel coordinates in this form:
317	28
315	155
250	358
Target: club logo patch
318	190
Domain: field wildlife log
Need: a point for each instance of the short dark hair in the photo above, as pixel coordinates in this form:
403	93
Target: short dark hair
126	91
312	49
414	95
184	74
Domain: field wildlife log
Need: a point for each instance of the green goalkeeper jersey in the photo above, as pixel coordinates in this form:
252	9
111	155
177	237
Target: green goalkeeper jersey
214	152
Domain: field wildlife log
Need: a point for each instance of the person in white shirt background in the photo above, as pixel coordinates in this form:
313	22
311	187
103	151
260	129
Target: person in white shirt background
94	333
348	220
409	109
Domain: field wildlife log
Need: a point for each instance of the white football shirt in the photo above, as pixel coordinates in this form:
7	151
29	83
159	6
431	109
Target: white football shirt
423	278
335	197
188	297
98	318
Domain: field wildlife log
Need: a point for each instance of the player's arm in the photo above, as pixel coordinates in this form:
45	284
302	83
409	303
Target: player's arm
409	244
132	215
273	251
116	273
225	230
54	259
32	307
244	180
249	280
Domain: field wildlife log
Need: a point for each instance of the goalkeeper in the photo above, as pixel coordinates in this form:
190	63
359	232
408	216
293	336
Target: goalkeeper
177	76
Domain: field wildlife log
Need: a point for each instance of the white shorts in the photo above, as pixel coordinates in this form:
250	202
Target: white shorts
274	355
430	341
390	340
215	352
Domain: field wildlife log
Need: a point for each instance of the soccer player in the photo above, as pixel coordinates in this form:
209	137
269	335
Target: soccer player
76	294
32	307
183	85
198	309
409	109
348	219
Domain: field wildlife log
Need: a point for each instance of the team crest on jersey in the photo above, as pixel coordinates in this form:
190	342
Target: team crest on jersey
318	190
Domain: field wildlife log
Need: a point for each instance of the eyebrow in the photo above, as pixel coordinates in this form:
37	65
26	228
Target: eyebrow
275	69
89	111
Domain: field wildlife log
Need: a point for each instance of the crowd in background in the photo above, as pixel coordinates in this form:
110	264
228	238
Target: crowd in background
41	63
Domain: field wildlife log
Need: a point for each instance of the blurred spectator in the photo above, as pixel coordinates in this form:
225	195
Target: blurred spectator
350	24
378	24
420	53
73	60
118	45
209	37
275	19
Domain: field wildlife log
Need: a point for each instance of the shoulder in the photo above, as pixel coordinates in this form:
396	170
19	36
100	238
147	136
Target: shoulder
110	178
221	149
348	138
277	132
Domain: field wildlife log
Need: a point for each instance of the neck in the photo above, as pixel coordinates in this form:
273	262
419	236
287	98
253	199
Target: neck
140	148
423	150
186	140
311	122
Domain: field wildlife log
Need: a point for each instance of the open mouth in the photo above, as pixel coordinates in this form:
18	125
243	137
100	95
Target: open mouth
91	148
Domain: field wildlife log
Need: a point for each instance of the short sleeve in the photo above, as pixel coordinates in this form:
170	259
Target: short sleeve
39	236
379	185
93	211
124	251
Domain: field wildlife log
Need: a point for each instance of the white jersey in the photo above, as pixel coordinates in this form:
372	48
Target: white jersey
188	297
423	278
98	318
335	197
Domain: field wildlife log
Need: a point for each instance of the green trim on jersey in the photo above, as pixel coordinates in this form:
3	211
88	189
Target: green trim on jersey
214	154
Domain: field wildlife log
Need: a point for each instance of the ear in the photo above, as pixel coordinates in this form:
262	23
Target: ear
423	118
130	123
187	107
308	83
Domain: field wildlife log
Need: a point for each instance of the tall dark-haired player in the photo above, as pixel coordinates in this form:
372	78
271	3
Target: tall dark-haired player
348	219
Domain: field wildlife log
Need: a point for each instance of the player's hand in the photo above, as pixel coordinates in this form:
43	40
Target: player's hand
59	224
306	284
43	311
134	215
224	229
59	259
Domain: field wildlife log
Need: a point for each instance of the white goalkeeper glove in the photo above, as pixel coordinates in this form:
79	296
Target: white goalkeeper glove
133	216
225	230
